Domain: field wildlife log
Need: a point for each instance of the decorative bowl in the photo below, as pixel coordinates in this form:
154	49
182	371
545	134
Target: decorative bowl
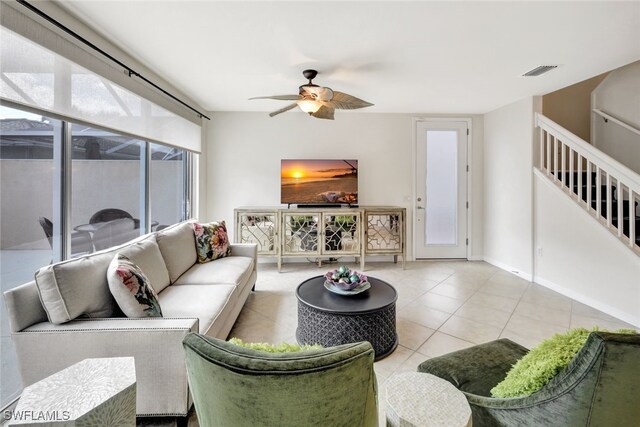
345	279
358	289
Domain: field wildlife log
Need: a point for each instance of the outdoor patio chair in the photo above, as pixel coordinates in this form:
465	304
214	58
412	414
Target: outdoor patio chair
80	240
110	214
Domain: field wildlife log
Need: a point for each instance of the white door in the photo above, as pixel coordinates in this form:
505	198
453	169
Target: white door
440	217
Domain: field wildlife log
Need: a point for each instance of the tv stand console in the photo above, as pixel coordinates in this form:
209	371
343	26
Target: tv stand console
323	232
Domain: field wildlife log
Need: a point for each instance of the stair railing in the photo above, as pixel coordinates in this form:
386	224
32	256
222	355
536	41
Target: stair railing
569	161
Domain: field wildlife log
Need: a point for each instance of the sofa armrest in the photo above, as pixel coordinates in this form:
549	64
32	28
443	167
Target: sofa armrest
23	306
155	343
246	249
477	369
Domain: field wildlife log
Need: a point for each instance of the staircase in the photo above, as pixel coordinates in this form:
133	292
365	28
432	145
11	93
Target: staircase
605	188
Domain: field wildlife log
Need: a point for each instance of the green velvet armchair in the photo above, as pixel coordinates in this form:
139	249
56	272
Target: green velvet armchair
237	386
601	385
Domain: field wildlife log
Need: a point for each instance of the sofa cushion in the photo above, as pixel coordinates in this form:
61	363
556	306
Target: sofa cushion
75	288
78	287
233	270
212	241
146	255
207	303
131	289
178	248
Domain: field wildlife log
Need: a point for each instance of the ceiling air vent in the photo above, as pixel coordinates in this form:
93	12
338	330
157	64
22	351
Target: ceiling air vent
539	70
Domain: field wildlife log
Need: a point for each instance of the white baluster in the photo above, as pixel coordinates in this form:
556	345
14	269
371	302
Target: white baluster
542	144
608	196
580	160
570	170
548	153
598	192
563	177
620	194
632	218
589	187
555	158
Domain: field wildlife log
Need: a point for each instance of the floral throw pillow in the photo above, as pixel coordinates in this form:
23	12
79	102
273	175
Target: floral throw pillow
212	241
131	289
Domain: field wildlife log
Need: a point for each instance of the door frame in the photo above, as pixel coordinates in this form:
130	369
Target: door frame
470	171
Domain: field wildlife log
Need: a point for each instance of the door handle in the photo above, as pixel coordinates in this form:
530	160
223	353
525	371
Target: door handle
419	207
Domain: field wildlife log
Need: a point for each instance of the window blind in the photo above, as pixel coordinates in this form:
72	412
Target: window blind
42	69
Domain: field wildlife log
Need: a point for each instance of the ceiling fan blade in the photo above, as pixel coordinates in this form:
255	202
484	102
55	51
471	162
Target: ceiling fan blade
324	112
280	97
318	92
283	110
345	101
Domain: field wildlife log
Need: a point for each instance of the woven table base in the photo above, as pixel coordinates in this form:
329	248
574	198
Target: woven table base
330	329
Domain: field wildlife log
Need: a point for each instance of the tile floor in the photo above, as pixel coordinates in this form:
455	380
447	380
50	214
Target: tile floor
442	306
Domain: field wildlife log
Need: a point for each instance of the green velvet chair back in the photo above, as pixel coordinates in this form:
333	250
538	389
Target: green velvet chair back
600	387
237	386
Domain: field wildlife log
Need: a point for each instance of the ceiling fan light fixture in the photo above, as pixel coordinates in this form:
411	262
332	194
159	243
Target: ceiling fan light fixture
317	101
309	106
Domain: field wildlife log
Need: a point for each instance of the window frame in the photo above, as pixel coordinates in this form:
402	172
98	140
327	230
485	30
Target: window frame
62	172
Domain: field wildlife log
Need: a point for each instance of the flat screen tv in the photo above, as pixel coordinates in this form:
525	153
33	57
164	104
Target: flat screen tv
319	182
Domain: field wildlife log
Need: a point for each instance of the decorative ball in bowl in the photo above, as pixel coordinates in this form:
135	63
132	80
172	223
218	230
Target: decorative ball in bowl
345	279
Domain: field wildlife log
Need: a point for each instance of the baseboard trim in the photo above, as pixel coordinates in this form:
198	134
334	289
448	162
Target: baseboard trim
476	258
598	305
526	276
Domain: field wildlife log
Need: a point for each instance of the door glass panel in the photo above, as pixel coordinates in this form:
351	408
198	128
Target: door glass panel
441	188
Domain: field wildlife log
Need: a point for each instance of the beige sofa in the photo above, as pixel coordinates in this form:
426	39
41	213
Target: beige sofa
68	314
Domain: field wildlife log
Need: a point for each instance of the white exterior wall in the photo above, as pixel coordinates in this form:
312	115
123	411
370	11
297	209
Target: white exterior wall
582	259
26	193
244	152
508	160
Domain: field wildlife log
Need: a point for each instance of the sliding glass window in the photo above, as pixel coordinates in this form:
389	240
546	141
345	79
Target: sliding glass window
29	199
106	198
114	186
167	190
88	157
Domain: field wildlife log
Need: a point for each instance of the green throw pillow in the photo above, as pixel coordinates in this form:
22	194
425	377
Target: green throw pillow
543	362
270	348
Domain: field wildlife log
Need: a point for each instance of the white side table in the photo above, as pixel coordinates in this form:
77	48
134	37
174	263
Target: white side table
94	392
419	400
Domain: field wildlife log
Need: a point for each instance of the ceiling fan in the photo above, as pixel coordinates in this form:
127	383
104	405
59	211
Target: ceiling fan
320	102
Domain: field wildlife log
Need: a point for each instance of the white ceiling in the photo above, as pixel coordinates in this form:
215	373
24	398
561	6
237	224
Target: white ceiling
409	57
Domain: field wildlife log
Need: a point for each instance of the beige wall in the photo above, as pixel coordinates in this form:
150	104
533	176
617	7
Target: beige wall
244	152
570	107
508	161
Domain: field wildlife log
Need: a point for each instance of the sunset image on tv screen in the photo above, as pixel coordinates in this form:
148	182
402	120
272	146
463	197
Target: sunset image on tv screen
319	181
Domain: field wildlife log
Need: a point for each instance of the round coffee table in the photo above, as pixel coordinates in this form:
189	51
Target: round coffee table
330	319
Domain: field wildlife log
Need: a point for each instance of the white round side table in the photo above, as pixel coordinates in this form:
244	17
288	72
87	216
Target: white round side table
416	399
